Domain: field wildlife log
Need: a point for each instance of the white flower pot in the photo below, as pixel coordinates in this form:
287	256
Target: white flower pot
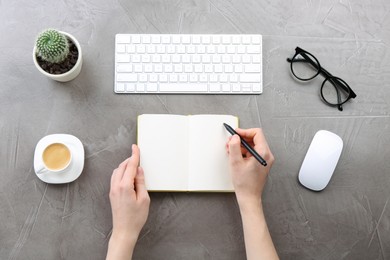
71	74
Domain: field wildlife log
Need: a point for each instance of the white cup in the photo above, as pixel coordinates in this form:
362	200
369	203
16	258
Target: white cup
55	157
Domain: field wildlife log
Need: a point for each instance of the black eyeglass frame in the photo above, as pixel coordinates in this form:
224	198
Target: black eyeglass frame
335	81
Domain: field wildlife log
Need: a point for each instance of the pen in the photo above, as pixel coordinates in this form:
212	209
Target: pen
246	145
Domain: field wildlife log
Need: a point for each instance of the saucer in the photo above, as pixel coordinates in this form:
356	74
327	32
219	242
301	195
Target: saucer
74	169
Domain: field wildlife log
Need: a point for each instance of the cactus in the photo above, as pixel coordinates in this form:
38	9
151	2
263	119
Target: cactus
52	46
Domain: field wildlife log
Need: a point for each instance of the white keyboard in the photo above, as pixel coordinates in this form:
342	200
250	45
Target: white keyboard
188	64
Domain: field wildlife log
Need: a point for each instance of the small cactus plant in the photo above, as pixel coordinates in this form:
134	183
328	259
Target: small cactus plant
52	46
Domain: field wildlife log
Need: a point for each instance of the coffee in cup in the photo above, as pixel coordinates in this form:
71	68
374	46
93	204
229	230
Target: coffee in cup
55	157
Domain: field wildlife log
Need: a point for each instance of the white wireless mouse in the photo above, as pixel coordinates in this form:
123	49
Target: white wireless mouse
320	160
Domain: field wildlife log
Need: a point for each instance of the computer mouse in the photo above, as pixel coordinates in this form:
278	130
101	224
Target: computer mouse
320	160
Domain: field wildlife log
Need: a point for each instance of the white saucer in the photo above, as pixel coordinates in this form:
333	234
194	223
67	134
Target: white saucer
74	169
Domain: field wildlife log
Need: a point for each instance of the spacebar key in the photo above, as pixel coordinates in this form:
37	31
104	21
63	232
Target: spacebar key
183	87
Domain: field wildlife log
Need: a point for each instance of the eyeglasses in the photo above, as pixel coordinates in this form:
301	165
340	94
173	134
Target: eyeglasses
334	90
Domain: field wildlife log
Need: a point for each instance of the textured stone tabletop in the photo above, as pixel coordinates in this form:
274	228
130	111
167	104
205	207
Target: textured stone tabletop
350	219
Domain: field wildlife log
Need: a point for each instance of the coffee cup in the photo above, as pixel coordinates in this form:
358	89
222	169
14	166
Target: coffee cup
55	157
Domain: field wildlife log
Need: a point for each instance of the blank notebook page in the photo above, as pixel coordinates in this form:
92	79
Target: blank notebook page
208	159
163	148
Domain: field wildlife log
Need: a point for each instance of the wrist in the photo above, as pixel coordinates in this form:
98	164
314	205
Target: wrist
123	239
120	247
250	206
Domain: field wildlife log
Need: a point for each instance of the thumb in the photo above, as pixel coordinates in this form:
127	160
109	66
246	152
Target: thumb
235	155
139	182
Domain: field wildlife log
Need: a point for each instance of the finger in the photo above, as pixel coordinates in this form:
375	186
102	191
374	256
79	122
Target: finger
227	144
132	165
255	136
245	152
235	154
140	186
247	133
118	172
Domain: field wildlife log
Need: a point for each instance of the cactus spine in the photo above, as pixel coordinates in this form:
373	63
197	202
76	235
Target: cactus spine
52	46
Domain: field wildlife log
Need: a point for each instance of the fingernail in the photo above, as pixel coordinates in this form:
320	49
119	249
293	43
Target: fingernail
235	138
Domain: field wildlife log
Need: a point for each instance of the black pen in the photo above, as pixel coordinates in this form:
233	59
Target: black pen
246	145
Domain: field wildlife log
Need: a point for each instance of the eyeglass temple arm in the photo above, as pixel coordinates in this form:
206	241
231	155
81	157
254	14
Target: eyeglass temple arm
332	80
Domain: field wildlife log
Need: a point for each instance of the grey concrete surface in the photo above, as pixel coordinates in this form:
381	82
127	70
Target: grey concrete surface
350	219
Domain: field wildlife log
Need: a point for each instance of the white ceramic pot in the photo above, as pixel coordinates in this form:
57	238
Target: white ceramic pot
68	76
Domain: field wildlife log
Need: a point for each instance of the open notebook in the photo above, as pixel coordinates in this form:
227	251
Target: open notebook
185	153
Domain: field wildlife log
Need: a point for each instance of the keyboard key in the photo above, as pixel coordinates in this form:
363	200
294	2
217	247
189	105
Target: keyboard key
140	48
226	39
193	77
130	48
196	39
165	39
253	49
158	68
130	87
256	39
122	38
163	77
176	39
135	58
124	68
121	48
183	77
256	87
215	87
252	68
120	87
160	49
122	58
246	39
145	58
256	58
153	77
151	87
223	78
226	87
233	78
248	78
183	88
156	39
138	68
143	77
148	68
173	78
236	87
178	68
236	39
216	39
145	39
206	39
140	87
126	77
136	39
213	78
186	39
203	78
168	68
246	87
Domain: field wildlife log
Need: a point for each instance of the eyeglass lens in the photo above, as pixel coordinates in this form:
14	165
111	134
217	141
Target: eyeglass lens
304	66
334	91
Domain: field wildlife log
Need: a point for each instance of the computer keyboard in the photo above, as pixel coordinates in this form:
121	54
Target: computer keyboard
188	64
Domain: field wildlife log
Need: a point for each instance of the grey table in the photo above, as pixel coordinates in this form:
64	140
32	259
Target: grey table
350	219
